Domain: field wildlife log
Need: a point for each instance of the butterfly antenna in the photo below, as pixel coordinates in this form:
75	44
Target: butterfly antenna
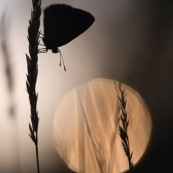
61	58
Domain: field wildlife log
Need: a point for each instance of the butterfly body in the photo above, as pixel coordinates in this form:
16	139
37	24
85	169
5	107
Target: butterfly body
62	24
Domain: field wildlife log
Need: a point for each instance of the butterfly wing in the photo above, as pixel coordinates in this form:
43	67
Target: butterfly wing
63	23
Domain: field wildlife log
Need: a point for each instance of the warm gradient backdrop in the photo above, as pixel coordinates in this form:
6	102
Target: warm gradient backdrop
130	41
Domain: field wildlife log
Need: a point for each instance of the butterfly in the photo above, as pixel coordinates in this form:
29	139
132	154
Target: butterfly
62	24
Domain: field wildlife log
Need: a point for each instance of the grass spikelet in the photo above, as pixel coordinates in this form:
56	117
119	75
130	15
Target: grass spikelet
123	127
32	66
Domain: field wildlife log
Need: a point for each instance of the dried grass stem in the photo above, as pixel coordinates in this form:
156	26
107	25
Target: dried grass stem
123	127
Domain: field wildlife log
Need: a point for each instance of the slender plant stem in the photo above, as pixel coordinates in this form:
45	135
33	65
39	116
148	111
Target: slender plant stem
32	66
123	127
7	57
38	167
96	147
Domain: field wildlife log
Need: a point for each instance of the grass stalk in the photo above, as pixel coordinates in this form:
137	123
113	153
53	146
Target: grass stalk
7	60
123	127
32	66
6	55
96	147
38	166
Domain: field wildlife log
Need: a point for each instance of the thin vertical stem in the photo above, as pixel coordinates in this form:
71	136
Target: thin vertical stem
36	148
38	166
4	25
96	147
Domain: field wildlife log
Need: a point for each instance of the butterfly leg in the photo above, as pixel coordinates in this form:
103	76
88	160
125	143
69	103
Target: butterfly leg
42	50
41	35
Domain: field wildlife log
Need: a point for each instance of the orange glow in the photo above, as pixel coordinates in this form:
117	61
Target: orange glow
85	127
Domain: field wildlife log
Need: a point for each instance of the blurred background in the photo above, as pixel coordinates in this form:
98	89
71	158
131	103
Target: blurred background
130	41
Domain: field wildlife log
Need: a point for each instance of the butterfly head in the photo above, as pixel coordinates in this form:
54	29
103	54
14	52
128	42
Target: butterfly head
55	50
50	44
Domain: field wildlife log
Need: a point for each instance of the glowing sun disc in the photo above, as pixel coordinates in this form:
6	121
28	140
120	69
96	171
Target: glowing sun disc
86	122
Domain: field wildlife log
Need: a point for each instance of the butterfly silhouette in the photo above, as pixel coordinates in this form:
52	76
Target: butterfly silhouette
62	24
